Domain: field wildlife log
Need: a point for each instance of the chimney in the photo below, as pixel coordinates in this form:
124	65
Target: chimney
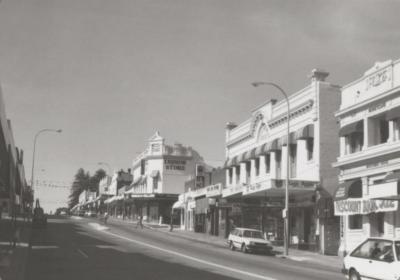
318	75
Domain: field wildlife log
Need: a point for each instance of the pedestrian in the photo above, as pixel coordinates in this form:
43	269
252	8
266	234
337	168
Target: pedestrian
16	237
140	222
105	217
171	223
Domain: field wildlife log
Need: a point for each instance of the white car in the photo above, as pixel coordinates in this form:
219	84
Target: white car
248	240
375	258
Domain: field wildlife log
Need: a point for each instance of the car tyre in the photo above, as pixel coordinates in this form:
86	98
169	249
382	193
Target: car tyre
231	246
244	249
353	275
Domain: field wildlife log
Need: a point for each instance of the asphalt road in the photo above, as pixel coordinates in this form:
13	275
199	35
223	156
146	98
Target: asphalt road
83	249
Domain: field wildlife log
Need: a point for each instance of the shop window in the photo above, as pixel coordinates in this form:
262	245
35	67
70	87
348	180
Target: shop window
237	170
267	159
310	148
355	222
257	166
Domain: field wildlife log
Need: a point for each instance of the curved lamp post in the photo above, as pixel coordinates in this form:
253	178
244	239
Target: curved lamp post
34	151
286	210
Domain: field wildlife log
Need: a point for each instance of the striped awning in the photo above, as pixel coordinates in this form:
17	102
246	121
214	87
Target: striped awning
260	150
351	128
272	146
250	154
292	139
305	132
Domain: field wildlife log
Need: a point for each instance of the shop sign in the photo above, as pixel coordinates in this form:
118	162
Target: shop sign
233	190
173	164
363	206
214	190
252	188
377	79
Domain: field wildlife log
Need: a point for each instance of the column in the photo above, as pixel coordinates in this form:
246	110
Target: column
343	146
242	172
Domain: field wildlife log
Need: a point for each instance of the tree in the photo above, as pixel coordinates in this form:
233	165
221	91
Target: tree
95	180
81	183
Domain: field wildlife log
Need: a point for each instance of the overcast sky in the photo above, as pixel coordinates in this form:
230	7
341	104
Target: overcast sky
111	73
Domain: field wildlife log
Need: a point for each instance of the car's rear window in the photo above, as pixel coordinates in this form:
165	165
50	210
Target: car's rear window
253	234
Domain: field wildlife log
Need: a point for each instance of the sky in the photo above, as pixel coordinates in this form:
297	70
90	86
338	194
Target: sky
111	73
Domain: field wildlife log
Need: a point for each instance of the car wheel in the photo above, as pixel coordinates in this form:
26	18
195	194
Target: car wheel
231	246
353	275
244	250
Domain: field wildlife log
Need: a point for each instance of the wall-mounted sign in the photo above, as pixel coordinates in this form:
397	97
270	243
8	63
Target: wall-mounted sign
377	79
355	206
174	164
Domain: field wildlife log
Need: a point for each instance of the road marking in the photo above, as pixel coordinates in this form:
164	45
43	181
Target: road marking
192	258
82	253
44	247
18	244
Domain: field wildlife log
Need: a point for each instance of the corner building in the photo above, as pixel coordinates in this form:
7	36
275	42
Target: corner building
256	167
369	161
159	176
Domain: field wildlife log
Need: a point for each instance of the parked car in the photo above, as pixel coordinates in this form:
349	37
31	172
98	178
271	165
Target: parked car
249	240
39	218
81	213
375	258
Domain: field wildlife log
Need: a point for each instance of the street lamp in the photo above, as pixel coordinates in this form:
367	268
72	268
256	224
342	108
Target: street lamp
286	210
34	151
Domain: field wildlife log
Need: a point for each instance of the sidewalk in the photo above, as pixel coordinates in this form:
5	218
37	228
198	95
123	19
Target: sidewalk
294	254
13	259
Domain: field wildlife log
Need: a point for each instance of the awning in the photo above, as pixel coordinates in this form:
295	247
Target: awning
351	128
292	139
250	154
272	146
305	132
348	189
178	205
136	181
154	173
231	162
241	157
260	150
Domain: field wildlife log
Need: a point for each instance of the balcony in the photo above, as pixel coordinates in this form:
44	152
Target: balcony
369	153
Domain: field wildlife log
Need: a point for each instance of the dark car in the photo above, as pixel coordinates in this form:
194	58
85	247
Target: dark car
39	218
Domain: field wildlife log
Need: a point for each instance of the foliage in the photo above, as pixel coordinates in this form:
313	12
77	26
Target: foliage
84	182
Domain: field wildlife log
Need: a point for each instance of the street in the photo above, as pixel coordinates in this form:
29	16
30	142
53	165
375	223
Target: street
71	248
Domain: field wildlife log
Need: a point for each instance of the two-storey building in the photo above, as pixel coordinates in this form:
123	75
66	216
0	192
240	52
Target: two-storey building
369	162
256	167
159	176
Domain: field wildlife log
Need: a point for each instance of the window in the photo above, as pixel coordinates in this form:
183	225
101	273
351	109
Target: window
267	163
380	250
237	168
355	141
248	168
310	148
396	130
230	175
293	158
380	219
155	183
142	167
384	130
278	160
257	166
355	222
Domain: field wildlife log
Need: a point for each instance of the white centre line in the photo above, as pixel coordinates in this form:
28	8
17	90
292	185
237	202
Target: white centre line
82	253
192	258
44	247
